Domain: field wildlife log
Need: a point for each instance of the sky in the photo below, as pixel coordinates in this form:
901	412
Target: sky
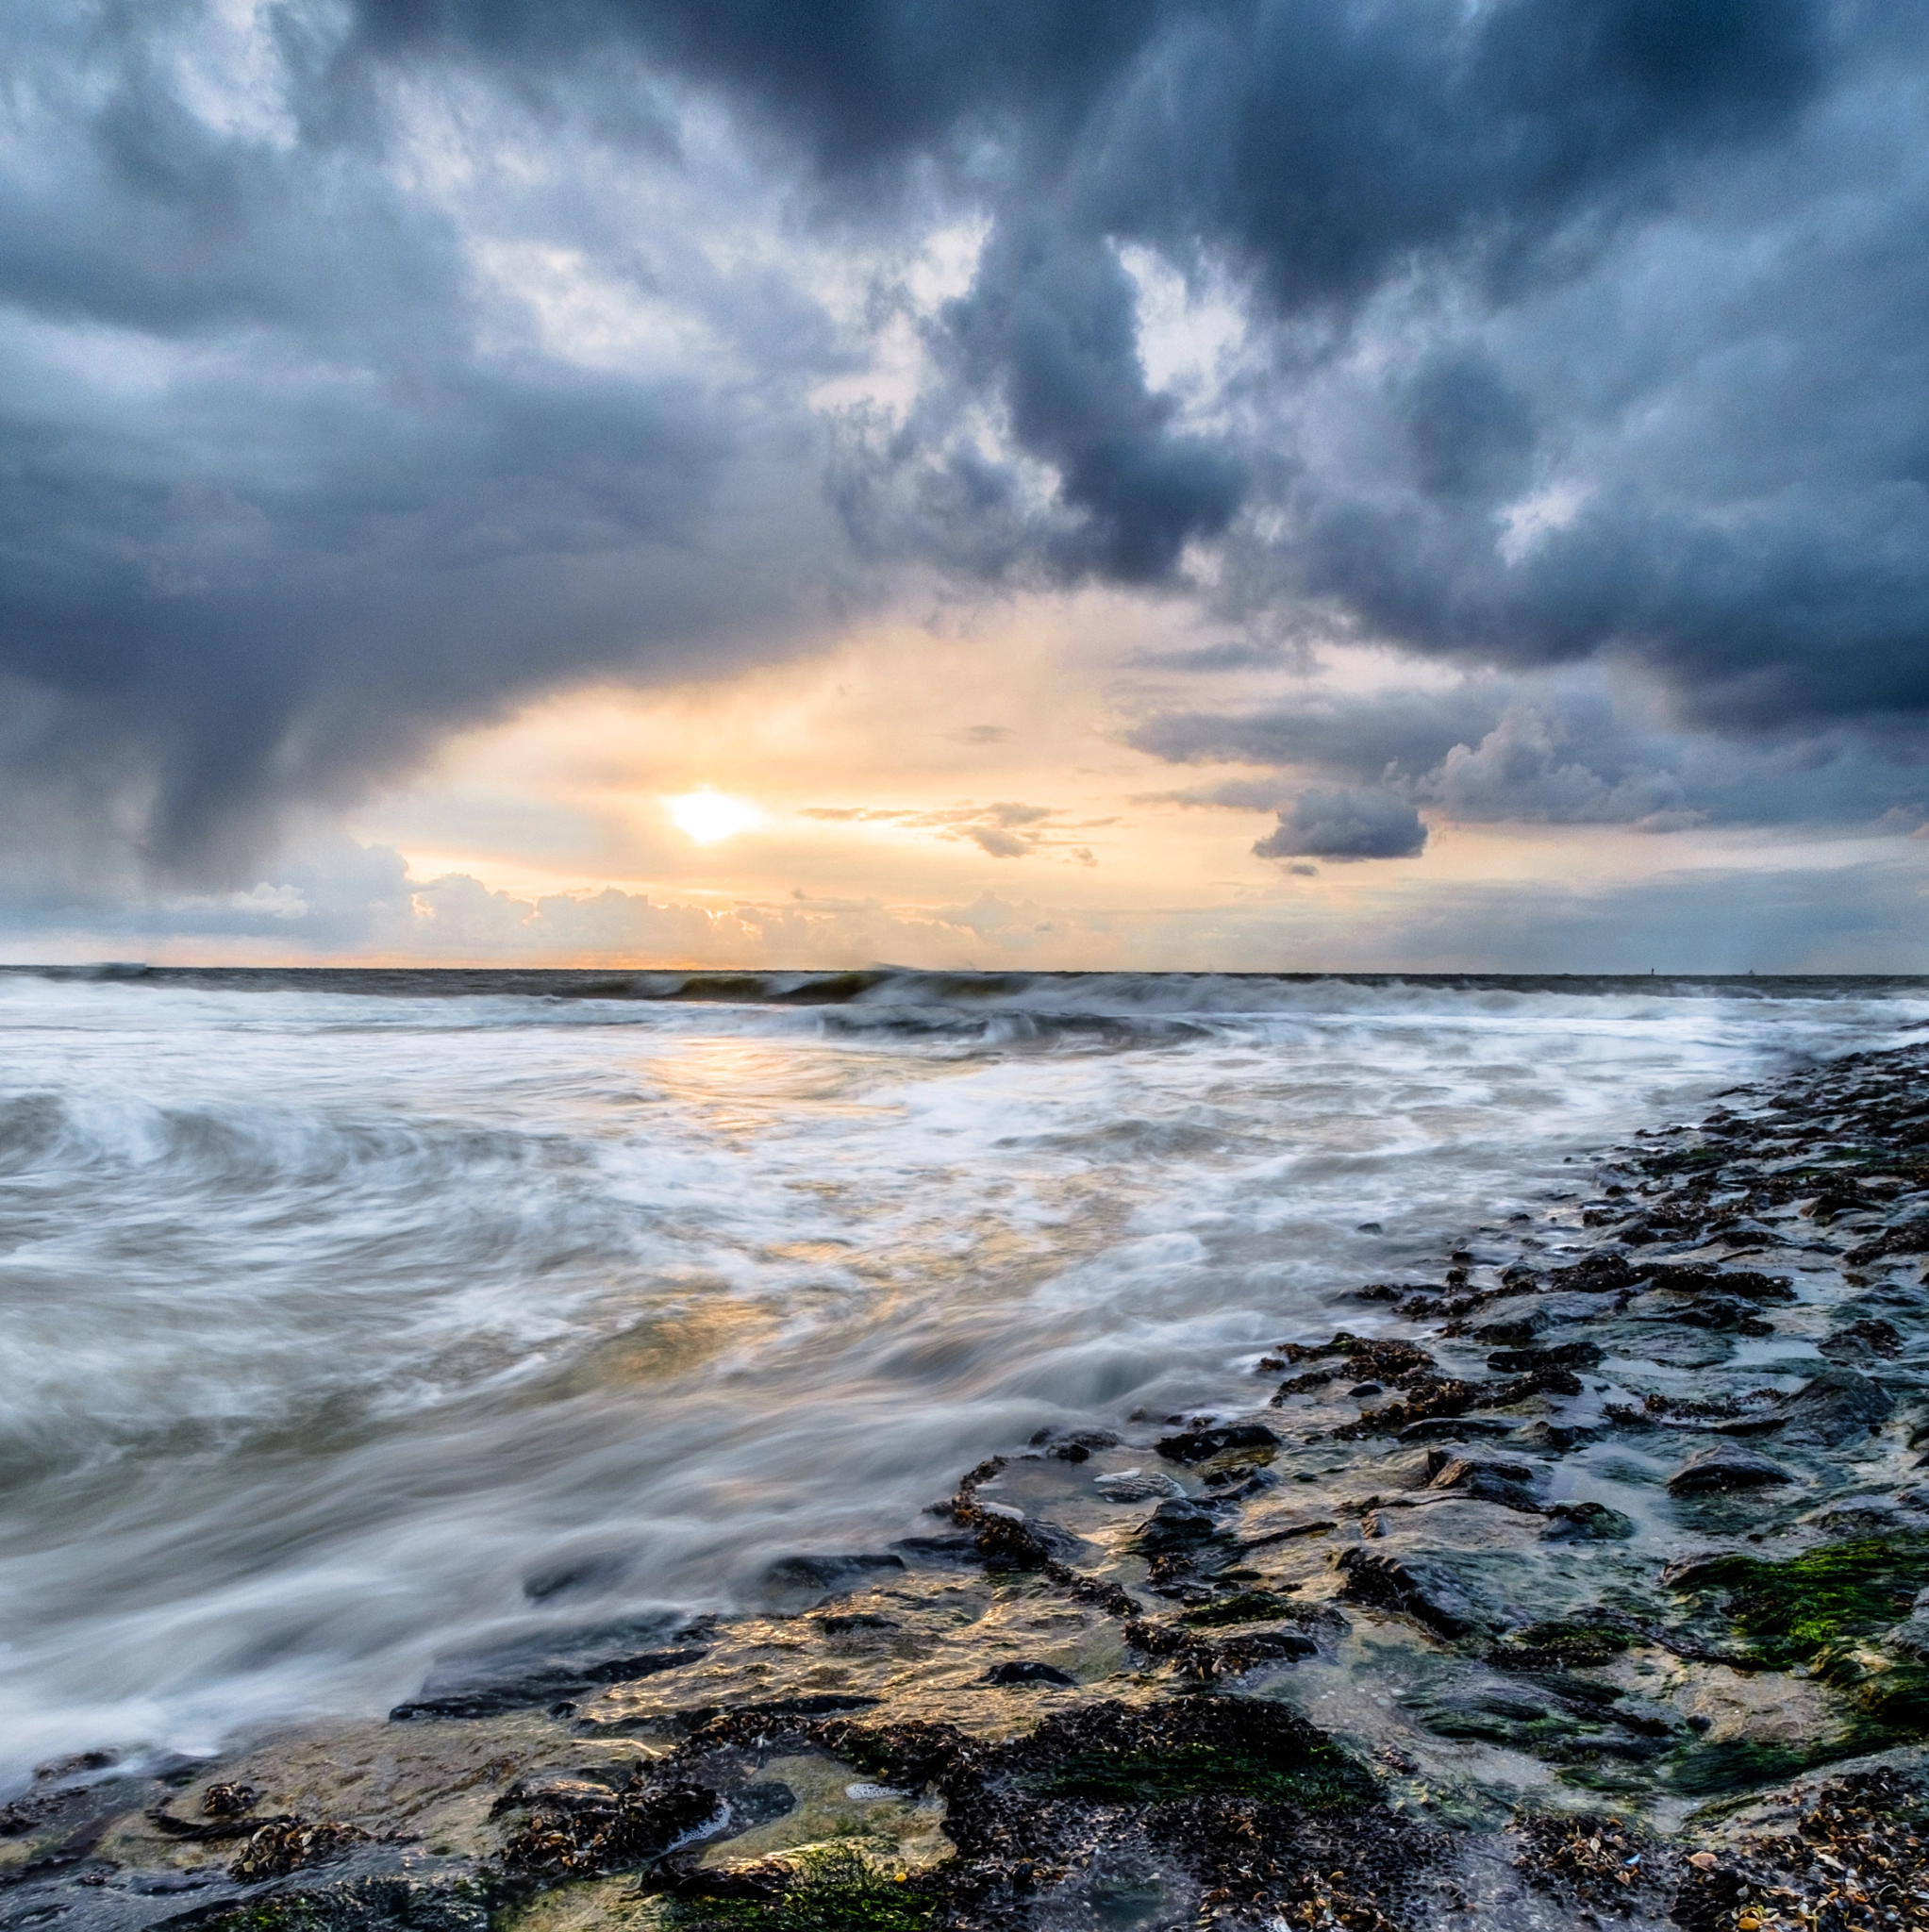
1161	484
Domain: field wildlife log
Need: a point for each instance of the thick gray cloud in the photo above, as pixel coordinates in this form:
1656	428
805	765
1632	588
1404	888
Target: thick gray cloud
1359	823
1574	328
1556	751
289	482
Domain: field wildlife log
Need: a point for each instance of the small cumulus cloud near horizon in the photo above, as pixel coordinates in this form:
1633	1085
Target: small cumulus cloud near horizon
1280	435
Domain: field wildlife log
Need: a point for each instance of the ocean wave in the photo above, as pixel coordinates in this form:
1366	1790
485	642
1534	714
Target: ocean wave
353	1318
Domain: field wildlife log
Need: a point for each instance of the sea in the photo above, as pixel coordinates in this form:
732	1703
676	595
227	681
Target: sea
354	1321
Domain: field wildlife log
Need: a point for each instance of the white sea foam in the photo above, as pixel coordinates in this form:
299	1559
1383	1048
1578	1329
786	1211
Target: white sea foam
348	1329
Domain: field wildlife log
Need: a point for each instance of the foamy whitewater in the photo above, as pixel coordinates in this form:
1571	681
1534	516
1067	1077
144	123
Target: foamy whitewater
352	1320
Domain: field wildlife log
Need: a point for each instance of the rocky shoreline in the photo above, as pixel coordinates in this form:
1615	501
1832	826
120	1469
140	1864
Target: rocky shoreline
1581	1584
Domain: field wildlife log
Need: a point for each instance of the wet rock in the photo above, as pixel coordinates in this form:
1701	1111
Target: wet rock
1458	1428
379	1903
1197	1445
1426	1398
1554	1380
1559	1437
558	1681
830	1573
1239	1484
1561	1646
1859	1341
761	1802
1242	1607
1181	1523
1006	1540
286	1845
1693	1281
957	1550
1074	1445
1718	1314
1586	1522
1718	1470
1910	1237
840	1623
1024	1670
1505	1483
1837	1407
1514	1331
1304	1385
1386	1359
582	1793
1528	1361
1415	1588
623	1830
1603	1274
1136	1486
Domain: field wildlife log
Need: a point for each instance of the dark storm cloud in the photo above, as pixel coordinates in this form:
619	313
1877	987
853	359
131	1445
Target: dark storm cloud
287	486
1578	326
1539	751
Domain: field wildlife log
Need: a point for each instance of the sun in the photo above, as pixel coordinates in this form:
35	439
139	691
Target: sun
708	816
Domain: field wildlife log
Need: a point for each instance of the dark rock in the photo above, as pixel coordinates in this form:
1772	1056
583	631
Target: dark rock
1425	1397
762	1802
1910	1237
829	1573
1528	1361
1234	1485
1249	1649
1074	1445
1180	1523
1027	1671
1597	1274
943	1552
583	1838
1860	1339
1457	1428
1692	1280
541	1687
772	1713
1548	1381
1723	1314
1386	1358
1010	1542
1304	1385
1504	1483
586	1793
1837	1407
291	1844
1196	1445
1717	1469
1558	1437
1415	1588
1515	1331
1586	1522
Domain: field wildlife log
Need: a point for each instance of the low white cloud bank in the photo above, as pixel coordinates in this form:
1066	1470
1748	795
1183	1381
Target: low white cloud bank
350	902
